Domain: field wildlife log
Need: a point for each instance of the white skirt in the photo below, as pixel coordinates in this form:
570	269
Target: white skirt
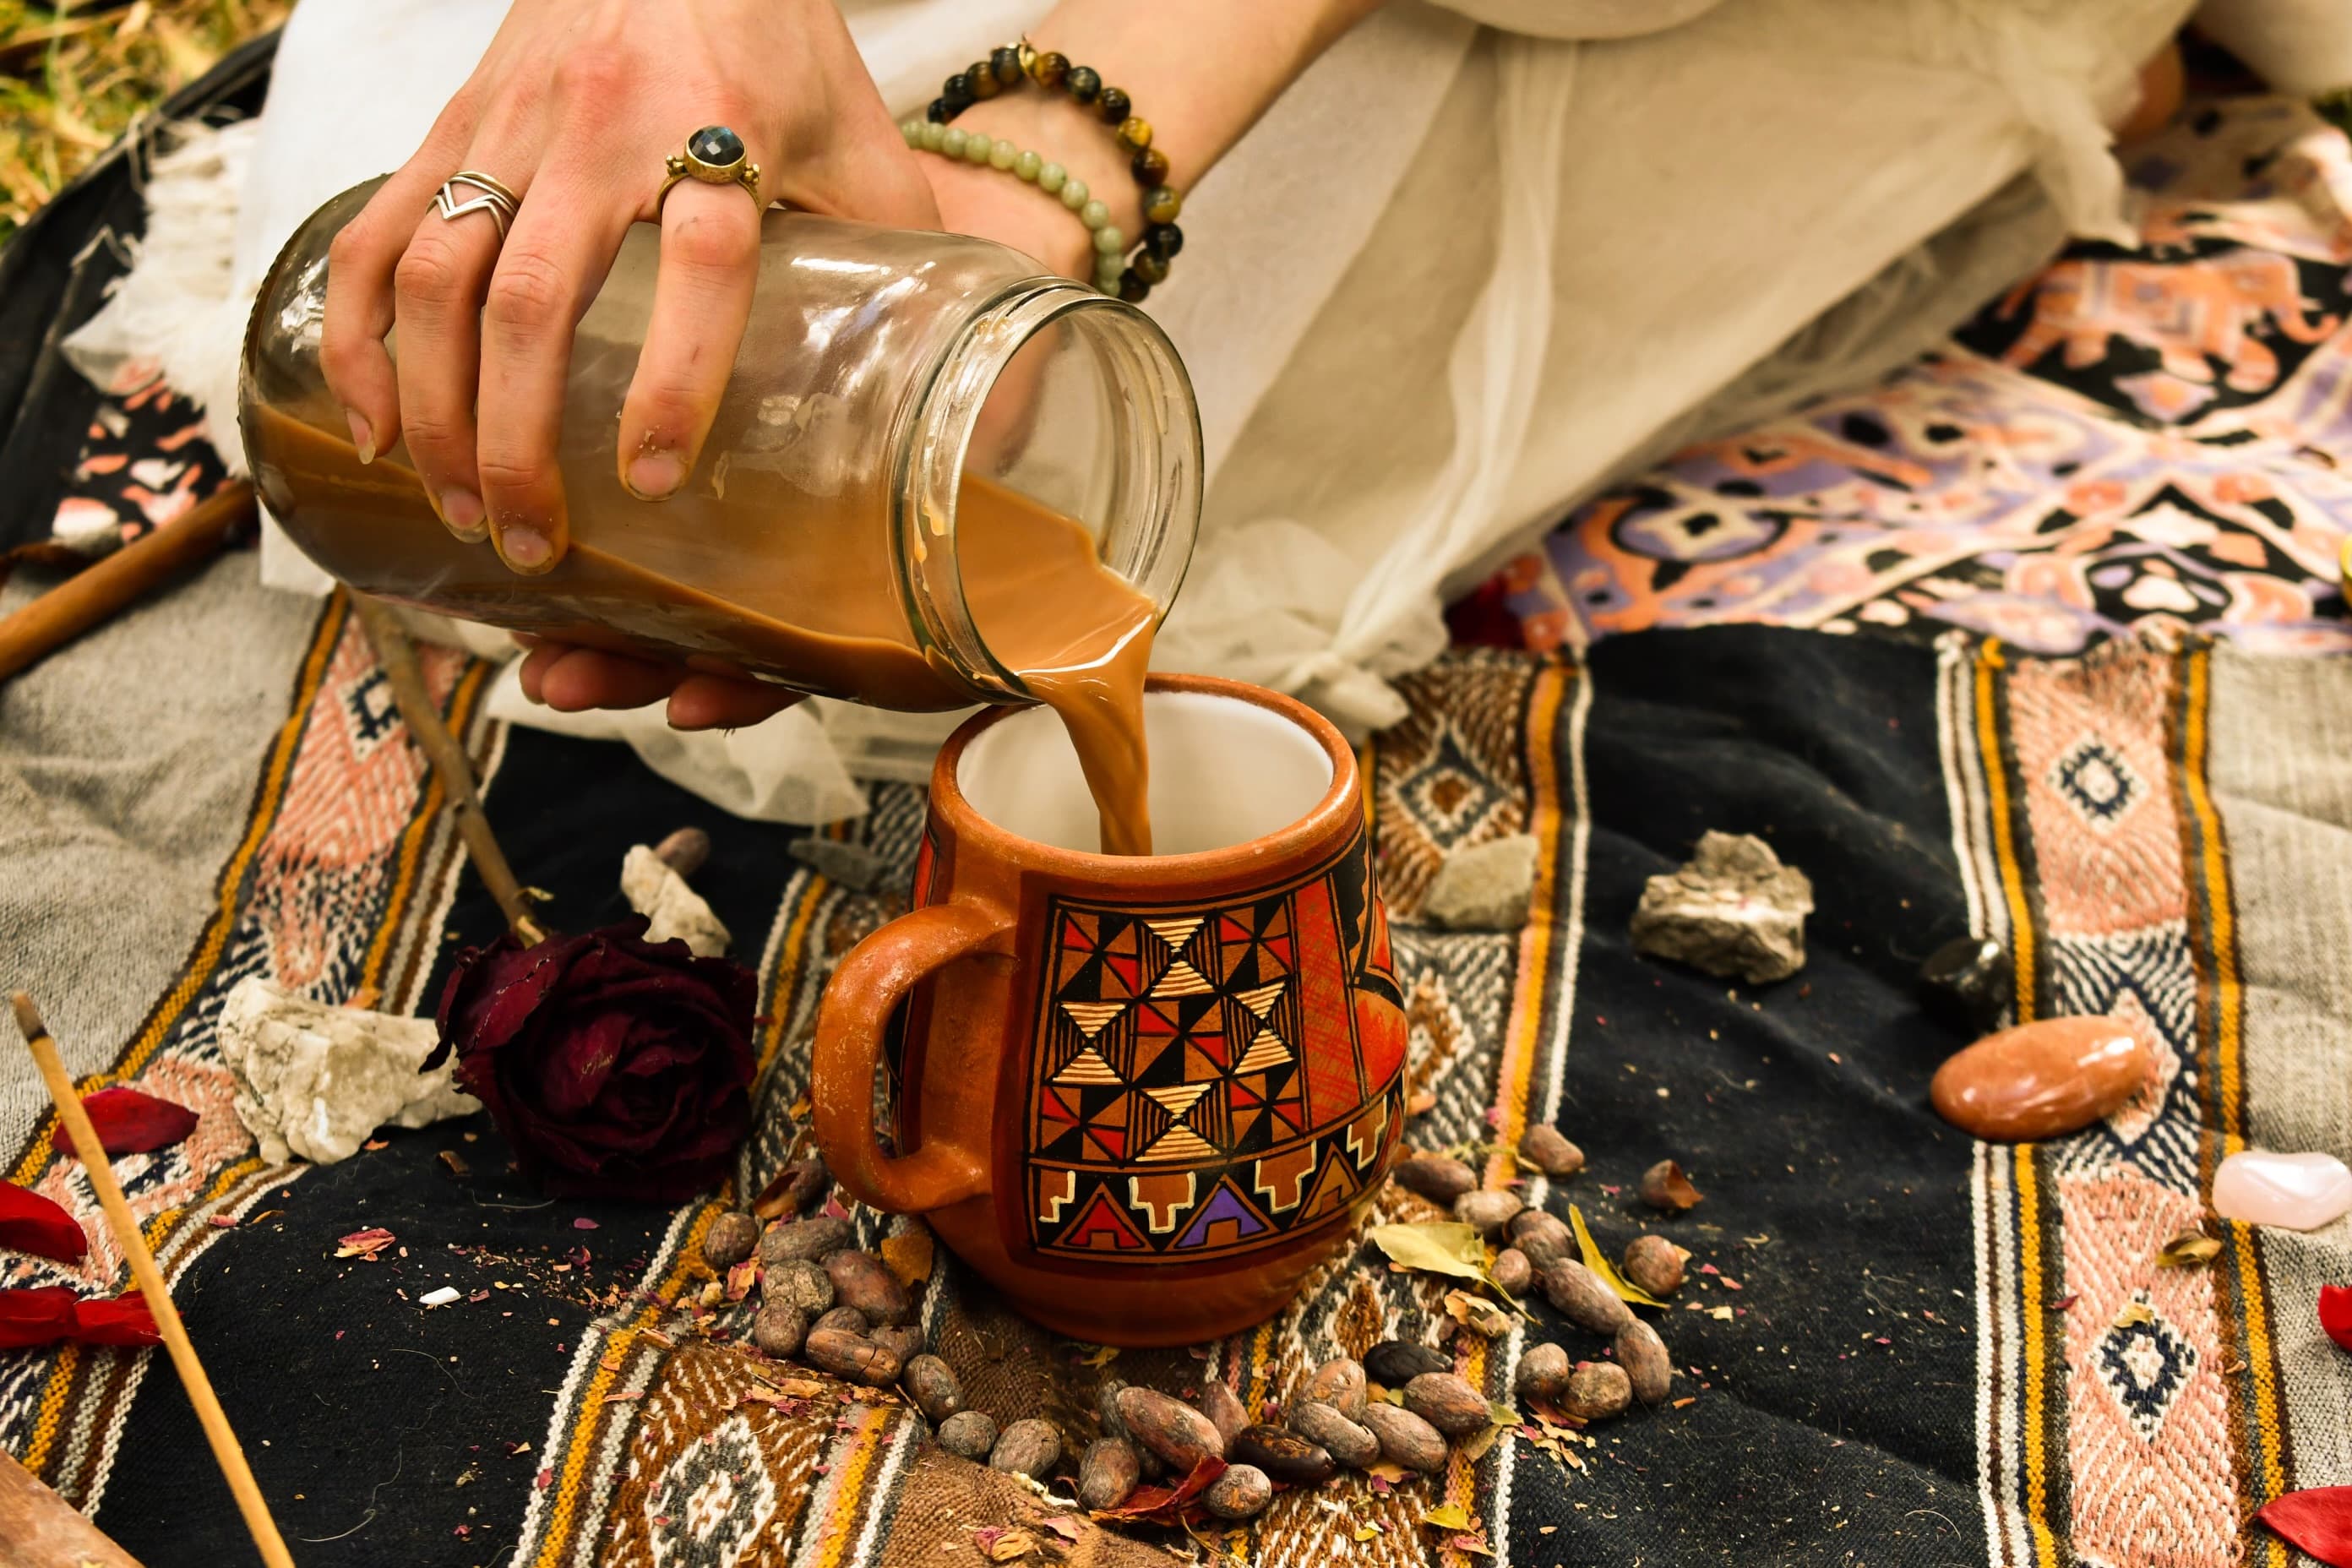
1477	263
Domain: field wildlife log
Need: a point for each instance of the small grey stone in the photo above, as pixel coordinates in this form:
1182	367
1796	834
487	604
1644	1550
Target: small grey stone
1733	910
1484	887
852	865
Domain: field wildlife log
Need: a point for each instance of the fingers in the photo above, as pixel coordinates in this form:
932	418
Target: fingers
358	311
553	261
702	300
438	288
719	702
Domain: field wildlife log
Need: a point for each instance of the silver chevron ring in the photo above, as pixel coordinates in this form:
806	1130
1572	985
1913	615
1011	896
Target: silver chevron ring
489	196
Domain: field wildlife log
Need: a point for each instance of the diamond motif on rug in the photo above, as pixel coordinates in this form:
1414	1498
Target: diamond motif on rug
2144	1366
2097	783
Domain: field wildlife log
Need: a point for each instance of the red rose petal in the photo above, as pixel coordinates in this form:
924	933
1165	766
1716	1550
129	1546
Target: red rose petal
39	1315
125	1321
2318	1521
2335	1313
130	1122
31	1223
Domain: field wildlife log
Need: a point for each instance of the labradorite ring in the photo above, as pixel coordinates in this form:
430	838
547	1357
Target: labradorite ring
714	155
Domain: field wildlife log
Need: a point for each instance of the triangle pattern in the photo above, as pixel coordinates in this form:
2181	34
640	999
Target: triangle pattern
1180	1142
1102	1227
1227	1211
1087	1066
1178	1098
1266	1051
1261	1000
1183	980
1090	1016
1175	933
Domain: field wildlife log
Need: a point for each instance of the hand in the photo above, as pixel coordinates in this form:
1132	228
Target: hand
575	106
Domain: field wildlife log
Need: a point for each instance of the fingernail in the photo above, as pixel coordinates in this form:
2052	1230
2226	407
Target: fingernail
654	475
362	436
525	549
461	509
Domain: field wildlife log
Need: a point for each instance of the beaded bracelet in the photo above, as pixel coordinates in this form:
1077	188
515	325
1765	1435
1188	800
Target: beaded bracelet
1112	272
1006	66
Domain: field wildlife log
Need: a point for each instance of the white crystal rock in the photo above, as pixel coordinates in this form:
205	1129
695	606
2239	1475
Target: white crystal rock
317	1081
1484	887
2301	1192
1733	910
671	909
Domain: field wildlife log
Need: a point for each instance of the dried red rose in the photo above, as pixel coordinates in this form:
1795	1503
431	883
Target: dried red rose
46	1314
34	1224
614	1066
130	1122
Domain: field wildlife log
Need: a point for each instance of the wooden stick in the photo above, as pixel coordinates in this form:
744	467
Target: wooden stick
423	716
91	595
119	1220
40	1529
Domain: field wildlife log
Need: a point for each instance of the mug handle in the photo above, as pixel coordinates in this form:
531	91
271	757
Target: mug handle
866	989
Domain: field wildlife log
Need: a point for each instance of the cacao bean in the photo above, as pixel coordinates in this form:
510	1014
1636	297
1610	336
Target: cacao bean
846	1355
1448	1403
684	853
932	1385
1030	1447
730	1240
1512	1271
795	1190
1285	1455
1654	1264
1664	1186
1392	1364
1547	1151
792	1240
780	1331
1580	1297
904	1343
1596	1391
1545	1238
1175	1431
967	1435
1223	1409
1350	1442
1106	1408
1486	1212
1543	1373
1107	1472
1643	1356
1405	1438
799	1283
1242	1492
843	1319
1340	1383
1434	1177
863	1280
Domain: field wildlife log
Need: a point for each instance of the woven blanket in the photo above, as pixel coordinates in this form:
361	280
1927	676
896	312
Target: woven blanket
1898	1344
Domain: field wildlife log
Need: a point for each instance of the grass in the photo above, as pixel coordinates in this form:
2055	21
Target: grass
75	75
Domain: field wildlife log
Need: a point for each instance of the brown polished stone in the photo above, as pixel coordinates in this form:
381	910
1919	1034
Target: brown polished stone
2040	1080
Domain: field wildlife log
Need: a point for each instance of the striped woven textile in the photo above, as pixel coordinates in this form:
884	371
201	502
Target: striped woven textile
1898	1345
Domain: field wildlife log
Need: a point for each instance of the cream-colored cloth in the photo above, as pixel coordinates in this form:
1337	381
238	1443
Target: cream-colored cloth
1482	258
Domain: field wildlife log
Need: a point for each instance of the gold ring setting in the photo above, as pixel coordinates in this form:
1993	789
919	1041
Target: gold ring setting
452	201
714	155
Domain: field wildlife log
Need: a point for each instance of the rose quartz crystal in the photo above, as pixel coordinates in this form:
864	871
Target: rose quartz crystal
2301	1192
2041	1079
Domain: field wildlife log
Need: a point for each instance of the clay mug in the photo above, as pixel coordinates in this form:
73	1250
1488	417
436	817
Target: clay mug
1143	1096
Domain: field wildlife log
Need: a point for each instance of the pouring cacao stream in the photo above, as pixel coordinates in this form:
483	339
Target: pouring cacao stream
939	479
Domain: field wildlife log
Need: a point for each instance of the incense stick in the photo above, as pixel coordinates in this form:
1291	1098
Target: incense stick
119	1220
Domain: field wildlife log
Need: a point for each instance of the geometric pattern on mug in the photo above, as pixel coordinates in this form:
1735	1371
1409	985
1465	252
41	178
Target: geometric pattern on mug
1210	1079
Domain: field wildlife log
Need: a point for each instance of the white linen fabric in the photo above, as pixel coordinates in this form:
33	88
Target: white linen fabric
1482	258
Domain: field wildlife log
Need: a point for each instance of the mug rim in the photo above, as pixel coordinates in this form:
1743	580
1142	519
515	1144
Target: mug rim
949	801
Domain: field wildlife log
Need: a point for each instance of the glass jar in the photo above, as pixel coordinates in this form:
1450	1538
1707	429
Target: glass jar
831	537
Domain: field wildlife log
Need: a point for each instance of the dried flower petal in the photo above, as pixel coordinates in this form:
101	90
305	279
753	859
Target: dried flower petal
37	1224
2316	1520
2189	1249
130	1122
49	1314
2335	1313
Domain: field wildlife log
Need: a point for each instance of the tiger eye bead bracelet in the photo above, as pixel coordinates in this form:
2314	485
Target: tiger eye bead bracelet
1004	67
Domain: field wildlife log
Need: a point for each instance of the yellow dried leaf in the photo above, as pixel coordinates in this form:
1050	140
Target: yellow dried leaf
2189	1249
1598	1261
1474	1447
1369	1531
1450	1516
1098	1355
1443	1247
2134	1314
1721	1314
1012	1543
909	1255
